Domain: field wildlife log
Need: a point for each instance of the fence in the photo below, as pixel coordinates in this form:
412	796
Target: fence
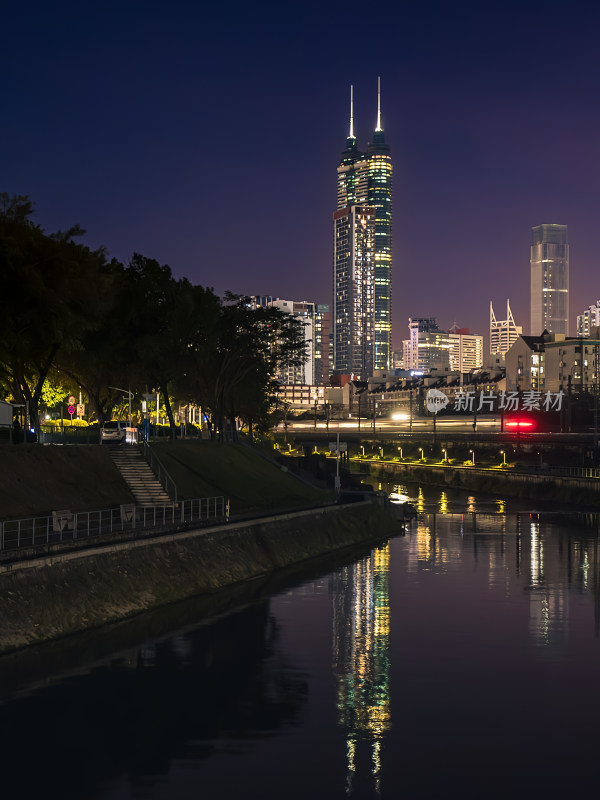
161	473
64	526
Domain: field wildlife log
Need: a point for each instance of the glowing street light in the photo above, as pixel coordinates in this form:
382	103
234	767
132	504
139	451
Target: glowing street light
421	451
503	458
472	456
445	452
401	456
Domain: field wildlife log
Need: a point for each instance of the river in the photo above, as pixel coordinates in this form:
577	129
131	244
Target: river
459	659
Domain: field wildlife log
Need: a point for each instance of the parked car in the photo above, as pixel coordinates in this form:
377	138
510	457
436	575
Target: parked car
114	431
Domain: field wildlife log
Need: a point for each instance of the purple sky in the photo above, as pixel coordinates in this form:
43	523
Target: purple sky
208	138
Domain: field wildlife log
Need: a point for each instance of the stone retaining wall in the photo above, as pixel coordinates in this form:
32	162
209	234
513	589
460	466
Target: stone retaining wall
537	486
52	596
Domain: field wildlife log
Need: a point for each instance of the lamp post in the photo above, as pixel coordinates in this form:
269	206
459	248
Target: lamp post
445	452
401	456
503	458
472	456
421	451
129	394
359	399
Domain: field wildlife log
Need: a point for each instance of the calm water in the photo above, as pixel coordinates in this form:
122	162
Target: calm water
462	659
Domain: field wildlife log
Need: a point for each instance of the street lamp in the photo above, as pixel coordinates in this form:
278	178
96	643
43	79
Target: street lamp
472	456
129	394
362	450
421	451
503	458
445	452
401	456
381	452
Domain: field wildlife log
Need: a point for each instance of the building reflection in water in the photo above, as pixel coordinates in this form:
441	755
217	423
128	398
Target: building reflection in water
443	505
549	557
548	599
361	660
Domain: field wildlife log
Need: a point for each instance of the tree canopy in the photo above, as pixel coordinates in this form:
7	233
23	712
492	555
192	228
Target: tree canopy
70	311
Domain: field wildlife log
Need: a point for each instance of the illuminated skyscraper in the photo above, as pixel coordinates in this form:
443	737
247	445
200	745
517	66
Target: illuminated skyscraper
362	264
549	280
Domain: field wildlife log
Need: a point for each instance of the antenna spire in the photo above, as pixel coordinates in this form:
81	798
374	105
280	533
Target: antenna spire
378	128
351	111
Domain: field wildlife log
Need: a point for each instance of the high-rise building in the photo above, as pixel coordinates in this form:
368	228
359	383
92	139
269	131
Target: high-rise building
466	349
588	320
503	332
315	319
549	280
362	263
429	346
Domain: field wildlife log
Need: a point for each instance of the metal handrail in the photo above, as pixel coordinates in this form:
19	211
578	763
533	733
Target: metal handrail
64	526
161	473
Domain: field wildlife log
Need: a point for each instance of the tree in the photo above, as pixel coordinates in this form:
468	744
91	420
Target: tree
49	289
235	377
168	320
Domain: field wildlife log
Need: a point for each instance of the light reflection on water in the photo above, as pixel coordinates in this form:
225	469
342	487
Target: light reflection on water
361	661
465	649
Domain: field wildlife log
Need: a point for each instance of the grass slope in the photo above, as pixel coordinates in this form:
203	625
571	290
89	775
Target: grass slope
205	469
37	479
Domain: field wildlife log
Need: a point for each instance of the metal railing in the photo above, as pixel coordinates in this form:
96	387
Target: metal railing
161	473
567	472
64	526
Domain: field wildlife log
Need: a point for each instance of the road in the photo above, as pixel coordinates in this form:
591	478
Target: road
488	424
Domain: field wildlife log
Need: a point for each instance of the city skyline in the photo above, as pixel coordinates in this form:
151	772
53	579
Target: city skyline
206	142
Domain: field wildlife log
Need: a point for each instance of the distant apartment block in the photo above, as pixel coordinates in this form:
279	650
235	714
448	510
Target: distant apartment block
429	347
503	332
554	362
466	350
588	320
316	323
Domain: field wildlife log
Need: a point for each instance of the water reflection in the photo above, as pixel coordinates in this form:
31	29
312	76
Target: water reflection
361	661
443	503
495	618
536	554
145	710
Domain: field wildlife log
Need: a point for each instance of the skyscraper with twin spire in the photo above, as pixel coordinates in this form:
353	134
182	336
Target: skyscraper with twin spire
362	261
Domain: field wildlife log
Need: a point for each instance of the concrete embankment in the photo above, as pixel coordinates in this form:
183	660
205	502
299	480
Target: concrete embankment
52	596
517	484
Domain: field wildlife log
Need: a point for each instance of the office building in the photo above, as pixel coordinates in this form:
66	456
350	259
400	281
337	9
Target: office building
362	263
503	332
549	280
589	320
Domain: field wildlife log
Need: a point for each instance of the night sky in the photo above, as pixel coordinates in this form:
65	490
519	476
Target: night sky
208	138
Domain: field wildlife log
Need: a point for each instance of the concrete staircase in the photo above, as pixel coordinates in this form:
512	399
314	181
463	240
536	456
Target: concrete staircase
145	486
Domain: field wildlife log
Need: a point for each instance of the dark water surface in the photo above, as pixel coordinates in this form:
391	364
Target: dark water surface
462	659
